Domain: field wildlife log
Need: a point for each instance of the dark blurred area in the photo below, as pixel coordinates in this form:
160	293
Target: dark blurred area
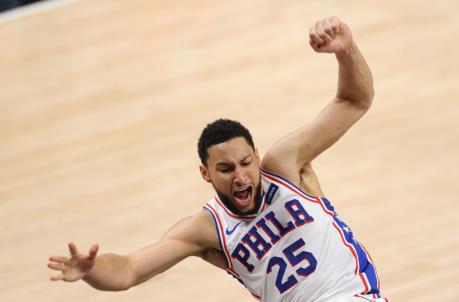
10	4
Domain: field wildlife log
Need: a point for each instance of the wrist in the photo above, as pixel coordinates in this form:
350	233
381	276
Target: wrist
347	52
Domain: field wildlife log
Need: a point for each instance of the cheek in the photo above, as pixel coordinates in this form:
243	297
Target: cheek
222	182
256	179
255	173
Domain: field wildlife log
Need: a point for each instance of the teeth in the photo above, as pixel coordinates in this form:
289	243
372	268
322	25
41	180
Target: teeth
241	189
243	194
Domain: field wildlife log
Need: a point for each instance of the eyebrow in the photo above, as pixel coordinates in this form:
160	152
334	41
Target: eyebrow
231	164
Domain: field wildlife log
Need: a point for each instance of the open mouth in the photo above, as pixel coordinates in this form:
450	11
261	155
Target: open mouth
243	196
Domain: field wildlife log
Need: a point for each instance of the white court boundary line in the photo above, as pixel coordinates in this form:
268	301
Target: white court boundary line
31	9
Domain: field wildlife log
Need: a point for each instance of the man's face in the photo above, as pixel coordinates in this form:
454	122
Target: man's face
233	168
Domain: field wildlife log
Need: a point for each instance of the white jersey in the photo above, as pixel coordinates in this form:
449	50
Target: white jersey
296	248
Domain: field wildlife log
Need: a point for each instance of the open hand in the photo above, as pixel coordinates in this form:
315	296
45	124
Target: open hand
330	35
76	266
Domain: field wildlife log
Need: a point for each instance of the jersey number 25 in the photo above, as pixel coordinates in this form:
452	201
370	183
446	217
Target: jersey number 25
294	260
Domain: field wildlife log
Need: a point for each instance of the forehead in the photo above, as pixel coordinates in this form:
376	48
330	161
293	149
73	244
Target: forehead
232	150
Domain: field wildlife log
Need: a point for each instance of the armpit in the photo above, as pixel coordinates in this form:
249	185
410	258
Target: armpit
309	182
214	257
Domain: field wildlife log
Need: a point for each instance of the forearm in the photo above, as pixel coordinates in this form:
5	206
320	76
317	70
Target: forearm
355	82
111	272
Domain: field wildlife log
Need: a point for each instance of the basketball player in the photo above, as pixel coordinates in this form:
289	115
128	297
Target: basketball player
269	225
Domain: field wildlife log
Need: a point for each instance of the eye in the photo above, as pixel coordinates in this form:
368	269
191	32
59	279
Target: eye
246	163
226	169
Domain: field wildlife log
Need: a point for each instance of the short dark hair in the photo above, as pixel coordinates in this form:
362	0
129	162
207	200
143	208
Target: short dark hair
220	131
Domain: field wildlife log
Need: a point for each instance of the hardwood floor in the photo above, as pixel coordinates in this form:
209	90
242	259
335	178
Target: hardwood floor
102	102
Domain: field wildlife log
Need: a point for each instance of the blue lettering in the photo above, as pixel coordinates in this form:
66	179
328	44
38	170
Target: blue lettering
271	216
262	224
298	213
242	254
254	240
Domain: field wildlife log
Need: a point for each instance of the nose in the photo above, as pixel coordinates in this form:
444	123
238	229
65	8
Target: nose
239	176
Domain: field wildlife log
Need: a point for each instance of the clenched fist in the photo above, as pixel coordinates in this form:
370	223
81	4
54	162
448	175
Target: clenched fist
330	35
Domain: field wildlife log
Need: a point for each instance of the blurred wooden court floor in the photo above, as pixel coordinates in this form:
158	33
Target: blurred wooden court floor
102	102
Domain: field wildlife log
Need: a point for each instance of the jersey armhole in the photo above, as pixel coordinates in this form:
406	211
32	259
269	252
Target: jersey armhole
272	177
220	234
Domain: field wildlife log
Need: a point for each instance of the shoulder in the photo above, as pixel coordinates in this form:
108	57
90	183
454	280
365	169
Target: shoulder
304	178
198	229
204	226
280	163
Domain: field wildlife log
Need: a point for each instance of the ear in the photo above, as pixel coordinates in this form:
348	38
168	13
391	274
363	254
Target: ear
204	173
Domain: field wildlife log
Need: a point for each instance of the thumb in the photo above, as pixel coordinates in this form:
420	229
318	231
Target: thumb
93	252
73	249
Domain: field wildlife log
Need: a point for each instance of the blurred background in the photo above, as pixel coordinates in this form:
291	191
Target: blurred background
102	103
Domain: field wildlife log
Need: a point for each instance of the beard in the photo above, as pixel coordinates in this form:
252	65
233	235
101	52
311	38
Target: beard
228	201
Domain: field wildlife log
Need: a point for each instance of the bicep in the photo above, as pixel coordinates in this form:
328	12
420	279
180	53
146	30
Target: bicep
158	257
181	241
290	154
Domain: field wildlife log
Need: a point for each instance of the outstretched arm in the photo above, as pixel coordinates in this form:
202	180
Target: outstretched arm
293	153
191	236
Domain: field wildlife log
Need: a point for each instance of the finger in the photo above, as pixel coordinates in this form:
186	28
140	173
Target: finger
73	249
58	259
314	37
56	266
93	251
335	24
321	32
328	28
56	277
313	45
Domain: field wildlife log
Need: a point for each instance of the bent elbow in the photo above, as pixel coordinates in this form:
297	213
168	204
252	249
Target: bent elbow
364	102
125	288
371	96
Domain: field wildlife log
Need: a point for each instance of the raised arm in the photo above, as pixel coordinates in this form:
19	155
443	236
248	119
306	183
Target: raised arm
192	236
291	155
